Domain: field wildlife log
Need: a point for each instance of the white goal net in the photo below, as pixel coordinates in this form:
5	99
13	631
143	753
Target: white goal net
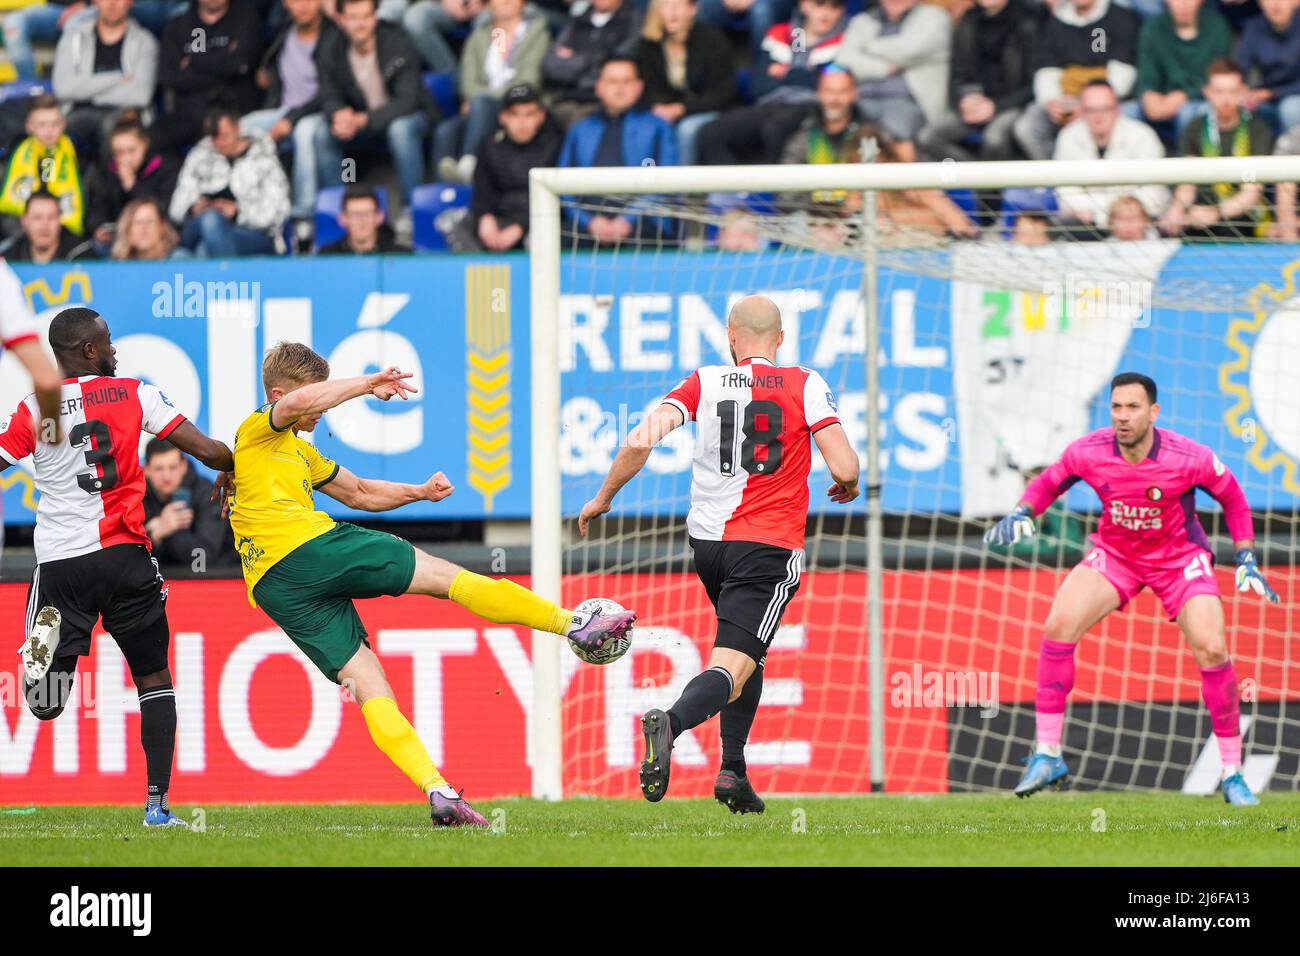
997	319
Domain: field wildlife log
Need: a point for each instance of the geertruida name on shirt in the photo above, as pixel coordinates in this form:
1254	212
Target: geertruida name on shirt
104	395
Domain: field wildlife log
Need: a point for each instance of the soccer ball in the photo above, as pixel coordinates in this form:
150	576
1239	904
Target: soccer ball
612	650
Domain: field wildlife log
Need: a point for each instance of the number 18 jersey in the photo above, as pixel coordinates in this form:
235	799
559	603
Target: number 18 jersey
749	480
91	482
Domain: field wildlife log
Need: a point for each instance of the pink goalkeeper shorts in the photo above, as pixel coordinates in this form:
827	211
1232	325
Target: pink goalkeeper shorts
1173	586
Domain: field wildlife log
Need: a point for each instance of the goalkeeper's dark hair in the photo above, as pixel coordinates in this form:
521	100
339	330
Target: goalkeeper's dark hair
71	330
1136	378
292	363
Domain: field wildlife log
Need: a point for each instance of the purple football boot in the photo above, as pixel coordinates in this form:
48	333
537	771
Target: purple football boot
592	634
454	811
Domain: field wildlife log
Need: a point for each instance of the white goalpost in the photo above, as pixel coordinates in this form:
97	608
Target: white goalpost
906	661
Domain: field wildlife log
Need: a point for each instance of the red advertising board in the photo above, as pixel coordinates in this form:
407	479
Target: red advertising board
257	724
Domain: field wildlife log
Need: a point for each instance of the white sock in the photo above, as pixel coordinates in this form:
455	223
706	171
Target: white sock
1052	750
447	791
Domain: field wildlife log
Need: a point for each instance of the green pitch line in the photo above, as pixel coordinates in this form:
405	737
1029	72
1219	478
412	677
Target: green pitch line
1091	829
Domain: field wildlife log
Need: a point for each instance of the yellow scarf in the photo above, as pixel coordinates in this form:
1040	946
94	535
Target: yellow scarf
33	167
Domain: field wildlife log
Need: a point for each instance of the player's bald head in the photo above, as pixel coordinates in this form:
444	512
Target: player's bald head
755	315
754	328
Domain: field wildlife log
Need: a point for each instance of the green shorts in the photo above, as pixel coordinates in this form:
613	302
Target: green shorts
309	591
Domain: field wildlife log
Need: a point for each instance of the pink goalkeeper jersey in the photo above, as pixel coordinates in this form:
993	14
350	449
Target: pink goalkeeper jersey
1148	509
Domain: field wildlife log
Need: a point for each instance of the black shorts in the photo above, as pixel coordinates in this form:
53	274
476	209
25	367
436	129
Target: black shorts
750	586
122	584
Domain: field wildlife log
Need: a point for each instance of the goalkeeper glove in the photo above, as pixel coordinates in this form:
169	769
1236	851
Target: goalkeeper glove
1019	524
1250	578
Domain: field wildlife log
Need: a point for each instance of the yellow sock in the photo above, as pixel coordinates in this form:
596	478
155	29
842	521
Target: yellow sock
394	735
504	602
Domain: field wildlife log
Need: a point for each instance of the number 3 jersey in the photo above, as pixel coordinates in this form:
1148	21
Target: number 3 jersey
91	482
749	481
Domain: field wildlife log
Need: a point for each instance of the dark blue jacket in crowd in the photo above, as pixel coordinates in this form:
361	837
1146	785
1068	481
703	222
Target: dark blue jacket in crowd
646	139
1276	56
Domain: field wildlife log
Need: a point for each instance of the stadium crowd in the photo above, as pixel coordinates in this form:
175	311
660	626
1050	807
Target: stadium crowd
209	128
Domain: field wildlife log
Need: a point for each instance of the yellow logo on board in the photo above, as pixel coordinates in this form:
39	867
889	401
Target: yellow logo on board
487	379
1261	378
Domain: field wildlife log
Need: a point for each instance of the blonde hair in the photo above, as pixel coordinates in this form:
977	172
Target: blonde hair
122	248
652	28
292	363
1125	202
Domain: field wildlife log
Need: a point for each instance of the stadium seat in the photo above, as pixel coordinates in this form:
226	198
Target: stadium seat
1017	200
442	87
329	204
20	89
430	201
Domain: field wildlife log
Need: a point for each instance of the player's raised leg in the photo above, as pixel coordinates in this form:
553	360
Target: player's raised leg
503	602
1201	621
392	733
47	697
1086	596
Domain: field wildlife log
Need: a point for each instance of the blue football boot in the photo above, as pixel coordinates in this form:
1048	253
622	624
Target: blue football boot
158	817
1236	791
1043	771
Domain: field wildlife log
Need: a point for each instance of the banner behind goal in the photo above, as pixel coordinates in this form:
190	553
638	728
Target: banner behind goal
992	353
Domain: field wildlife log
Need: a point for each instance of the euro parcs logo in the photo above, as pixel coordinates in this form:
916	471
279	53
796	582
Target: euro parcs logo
1260	378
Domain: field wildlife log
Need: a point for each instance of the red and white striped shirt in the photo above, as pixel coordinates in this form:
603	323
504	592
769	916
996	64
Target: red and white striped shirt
91	483
749	481
17	323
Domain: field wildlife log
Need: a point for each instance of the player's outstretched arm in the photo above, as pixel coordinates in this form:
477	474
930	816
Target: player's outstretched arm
46	382
631	458
373	494
841	459
193	442
322	396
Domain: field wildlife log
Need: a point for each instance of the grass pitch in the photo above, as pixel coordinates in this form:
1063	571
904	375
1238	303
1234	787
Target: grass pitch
1088	829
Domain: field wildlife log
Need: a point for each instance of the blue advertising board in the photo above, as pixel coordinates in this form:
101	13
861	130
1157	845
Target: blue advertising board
631	329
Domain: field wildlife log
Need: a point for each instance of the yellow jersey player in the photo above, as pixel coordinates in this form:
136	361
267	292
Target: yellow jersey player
304	569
